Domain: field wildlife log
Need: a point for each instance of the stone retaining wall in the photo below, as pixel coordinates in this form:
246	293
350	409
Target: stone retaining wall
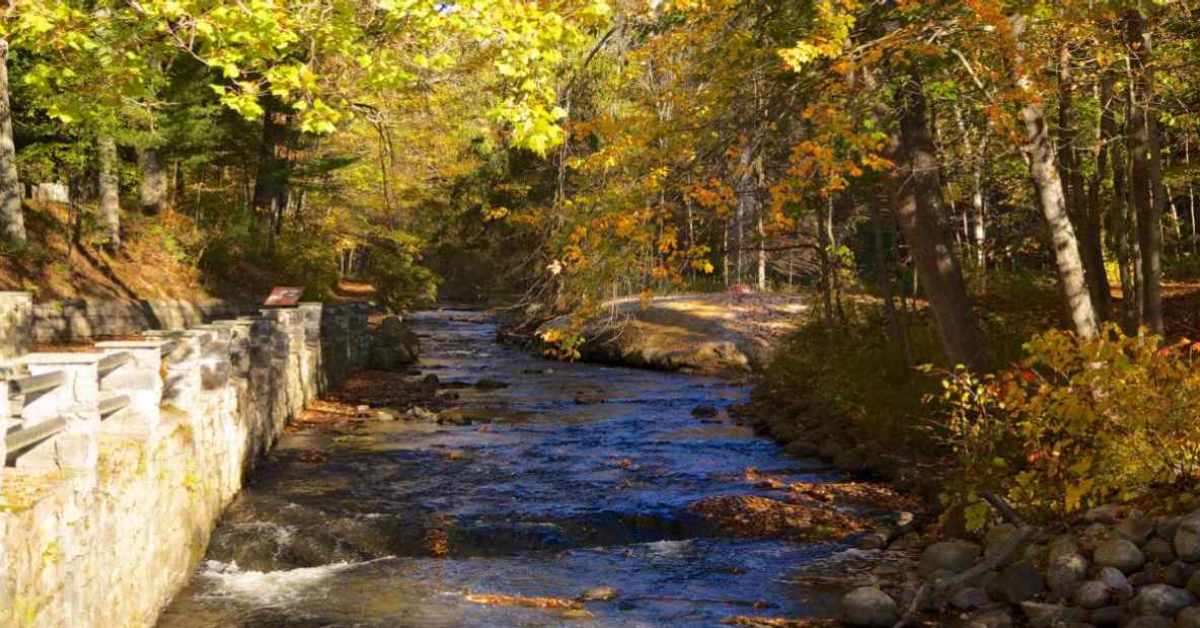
103	523
84	319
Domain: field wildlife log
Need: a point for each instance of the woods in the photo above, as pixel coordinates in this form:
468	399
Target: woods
950	179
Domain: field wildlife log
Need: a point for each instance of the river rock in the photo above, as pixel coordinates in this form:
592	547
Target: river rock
705	412
1149	621
490	384
1161	599
598	594
393	345
954	556
991	618
1092	594
1159	550
1187	538
1065	568
1188	618
1119	553
969	598
869	606
1108	513
1193	584
1019	582
1107	617
999	539
417	413
1117	583
1135	529
1051	615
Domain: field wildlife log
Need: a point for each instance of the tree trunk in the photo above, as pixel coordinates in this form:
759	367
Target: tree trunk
1071	173
271	182
110	192
154	181
1039	153
1145	172
12	217
918	210
884	261
1124	224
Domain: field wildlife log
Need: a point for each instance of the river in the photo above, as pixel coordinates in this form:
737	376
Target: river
402	521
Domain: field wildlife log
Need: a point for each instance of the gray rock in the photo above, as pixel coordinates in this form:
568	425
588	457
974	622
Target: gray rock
1065	569
1149	621
991	618
1177	574
1119	553
1136	529
393	345
969	598
1118	585
1159	550
598	594
1188	618
1193	584
1161	599
1093	535
998	539
1167	527
1108	513
1051	615
1019	582
869	606
954	556
1187	538
1092	594
1109	616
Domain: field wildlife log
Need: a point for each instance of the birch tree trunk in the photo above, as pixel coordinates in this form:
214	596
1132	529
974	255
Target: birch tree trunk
918	210
110	193
12	217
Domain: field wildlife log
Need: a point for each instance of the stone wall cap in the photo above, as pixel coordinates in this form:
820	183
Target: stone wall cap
132	344
61	358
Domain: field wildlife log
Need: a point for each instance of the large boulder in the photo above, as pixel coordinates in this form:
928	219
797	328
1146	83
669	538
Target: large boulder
953	556
869	606
393	345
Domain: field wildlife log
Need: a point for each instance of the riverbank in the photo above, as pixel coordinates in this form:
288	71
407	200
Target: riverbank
712	333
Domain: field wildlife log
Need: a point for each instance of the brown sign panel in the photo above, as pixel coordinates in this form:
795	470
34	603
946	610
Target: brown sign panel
283	296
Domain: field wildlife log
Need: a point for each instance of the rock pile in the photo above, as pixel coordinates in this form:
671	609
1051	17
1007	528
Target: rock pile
1119	568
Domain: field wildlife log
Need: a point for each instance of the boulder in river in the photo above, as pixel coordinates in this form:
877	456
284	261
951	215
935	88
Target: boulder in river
869	606
393	345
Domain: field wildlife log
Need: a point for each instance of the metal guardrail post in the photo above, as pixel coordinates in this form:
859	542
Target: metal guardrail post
77	401
139	377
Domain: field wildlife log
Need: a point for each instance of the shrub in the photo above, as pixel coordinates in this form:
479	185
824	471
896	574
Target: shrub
1077	423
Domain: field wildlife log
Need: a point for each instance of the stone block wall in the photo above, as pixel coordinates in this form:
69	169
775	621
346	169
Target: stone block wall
83	319
101	524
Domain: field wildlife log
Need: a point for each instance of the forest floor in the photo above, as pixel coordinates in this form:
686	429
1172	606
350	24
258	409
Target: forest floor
56	264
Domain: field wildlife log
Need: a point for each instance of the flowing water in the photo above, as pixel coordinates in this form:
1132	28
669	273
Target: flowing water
549	498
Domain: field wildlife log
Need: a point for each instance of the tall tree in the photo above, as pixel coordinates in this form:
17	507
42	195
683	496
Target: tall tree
11	213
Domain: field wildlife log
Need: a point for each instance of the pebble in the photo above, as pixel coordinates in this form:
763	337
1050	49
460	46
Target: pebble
1051	615
1117	583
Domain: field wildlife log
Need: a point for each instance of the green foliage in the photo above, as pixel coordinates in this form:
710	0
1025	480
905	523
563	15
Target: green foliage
395	270
1076	424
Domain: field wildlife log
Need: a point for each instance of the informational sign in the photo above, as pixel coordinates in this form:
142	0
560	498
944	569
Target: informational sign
284	296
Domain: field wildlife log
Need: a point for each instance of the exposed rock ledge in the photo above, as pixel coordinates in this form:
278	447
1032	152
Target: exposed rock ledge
707	333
